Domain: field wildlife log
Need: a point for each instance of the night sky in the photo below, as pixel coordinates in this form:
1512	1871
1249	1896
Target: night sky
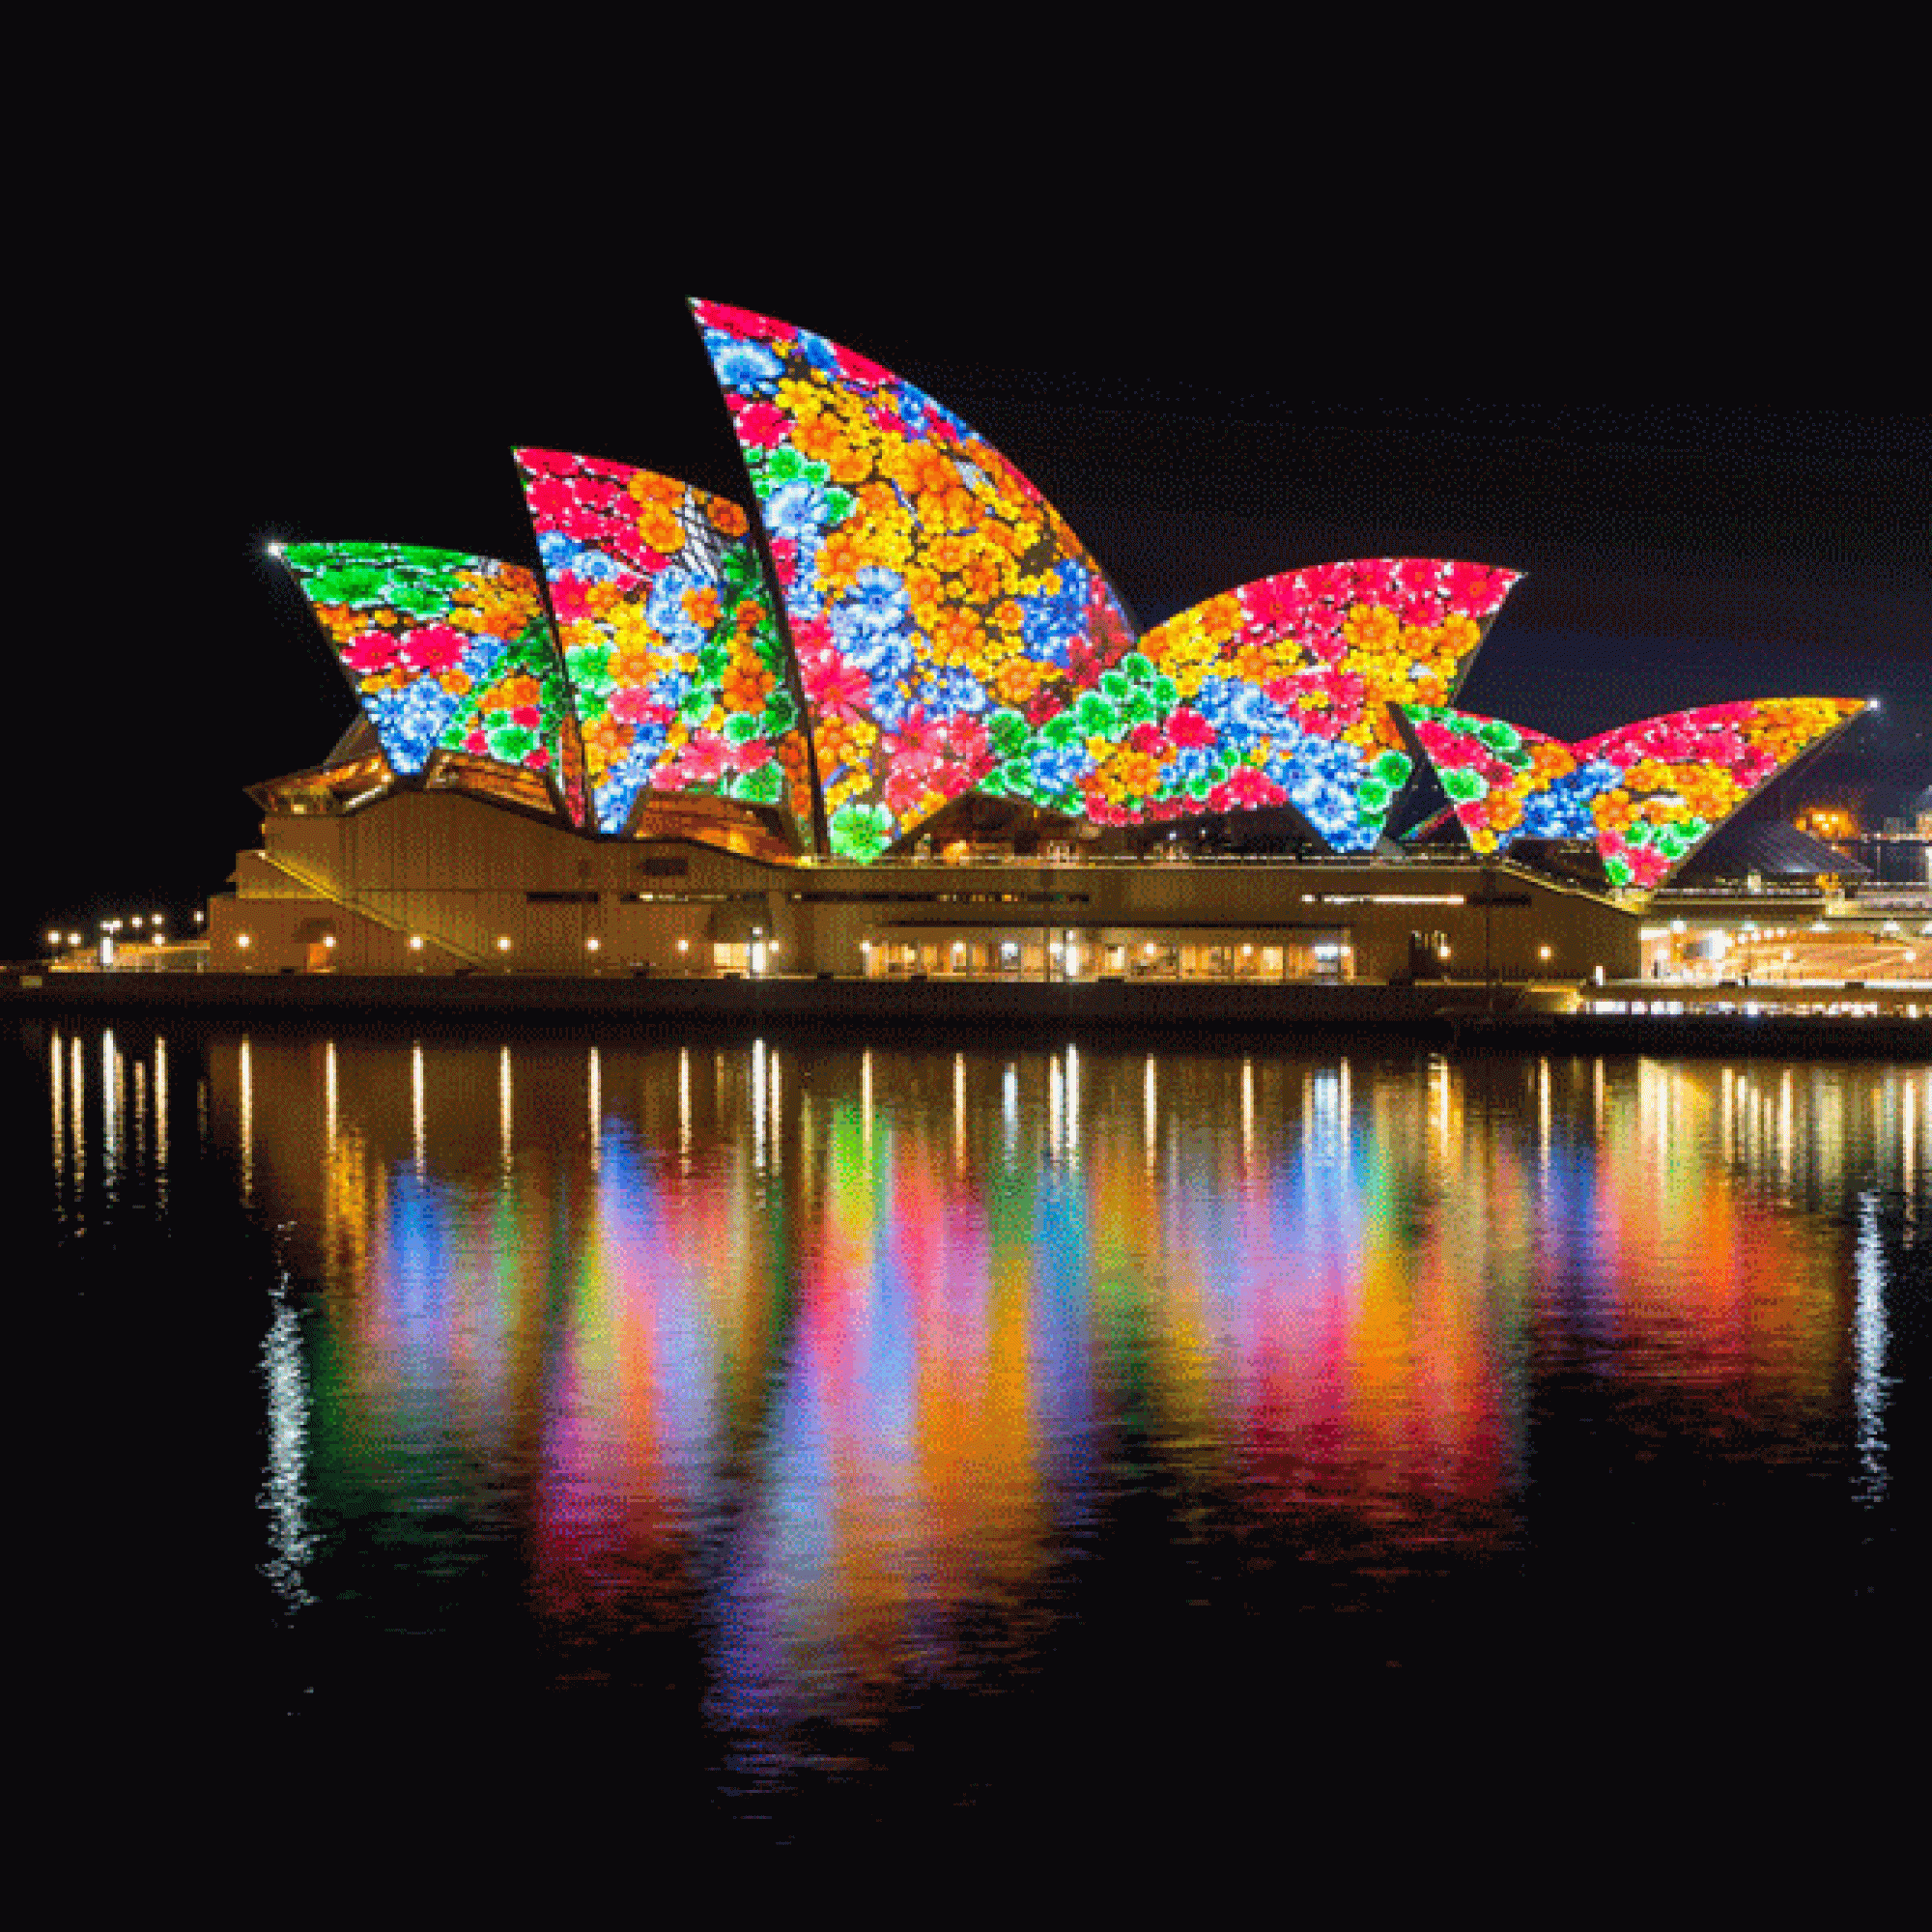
1677	554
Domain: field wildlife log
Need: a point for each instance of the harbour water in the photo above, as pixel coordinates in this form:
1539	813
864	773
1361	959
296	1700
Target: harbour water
863	1436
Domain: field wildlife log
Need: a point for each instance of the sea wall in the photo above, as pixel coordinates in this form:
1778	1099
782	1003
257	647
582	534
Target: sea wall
1532	1016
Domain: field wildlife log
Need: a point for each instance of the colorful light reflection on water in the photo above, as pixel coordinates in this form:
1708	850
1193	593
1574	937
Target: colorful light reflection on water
816	1381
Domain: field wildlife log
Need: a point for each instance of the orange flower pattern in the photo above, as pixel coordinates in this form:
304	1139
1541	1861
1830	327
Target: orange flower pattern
674	653
1276	693
1646	794
929	585
447	652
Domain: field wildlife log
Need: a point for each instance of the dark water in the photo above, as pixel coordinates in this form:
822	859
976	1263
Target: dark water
812	1437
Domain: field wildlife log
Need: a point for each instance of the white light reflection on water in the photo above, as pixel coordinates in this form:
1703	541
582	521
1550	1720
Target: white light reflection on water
1324	1103
1869	1335
596	1103
758	1155
283	1497
160	1121
1786	1138
506	1113
59	1108
417	1142
110	1108
244	1071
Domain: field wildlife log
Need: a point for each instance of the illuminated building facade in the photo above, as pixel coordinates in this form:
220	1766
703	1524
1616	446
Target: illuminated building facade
901	654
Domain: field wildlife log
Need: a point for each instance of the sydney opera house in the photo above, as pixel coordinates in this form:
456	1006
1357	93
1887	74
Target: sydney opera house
889	718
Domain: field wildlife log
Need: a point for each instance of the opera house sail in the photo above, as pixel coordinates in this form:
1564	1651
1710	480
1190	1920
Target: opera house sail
939	606
448	653
676	661
1646	795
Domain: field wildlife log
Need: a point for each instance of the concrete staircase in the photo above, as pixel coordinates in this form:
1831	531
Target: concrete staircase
325	889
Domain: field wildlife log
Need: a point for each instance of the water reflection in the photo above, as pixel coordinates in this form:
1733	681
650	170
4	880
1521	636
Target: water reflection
835	1363
1870	1332
285	1492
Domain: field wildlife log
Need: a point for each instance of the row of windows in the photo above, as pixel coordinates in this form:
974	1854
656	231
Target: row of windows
587	897
940	898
